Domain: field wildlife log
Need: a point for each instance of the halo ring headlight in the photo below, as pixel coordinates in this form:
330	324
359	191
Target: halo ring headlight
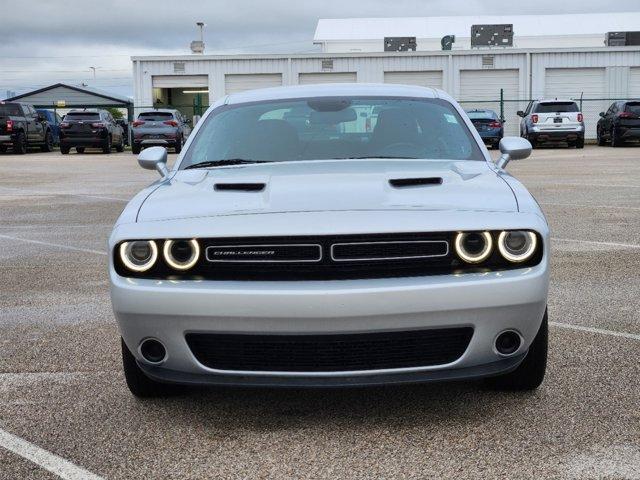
517	245
464	240
139	255
189	250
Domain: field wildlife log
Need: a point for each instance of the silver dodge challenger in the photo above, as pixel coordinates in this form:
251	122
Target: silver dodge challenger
332	235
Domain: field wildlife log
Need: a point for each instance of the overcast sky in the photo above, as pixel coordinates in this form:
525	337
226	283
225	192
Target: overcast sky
49	41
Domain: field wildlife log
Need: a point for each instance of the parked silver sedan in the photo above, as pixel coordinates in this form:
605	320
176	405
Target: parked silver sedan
168	128
326	252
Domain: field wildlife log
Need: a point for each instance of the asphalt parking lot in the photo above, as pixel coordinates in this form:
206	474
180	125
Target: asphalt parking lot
62	387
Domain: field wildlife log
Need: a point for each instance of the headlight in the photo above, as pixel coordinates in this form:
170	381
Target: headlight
517	246
139	255
181	254
473	247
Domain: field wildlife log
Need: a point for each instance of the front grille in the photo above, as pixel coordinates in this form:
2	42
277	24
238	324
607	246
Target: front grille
397	250
331	257
330	353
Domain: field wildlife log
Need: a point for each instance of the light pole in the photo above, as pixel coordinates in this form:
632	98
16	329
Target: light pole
94	71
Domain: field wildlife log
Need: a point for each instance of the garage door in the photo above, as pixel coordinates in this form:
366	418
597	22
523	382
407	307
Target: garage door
634	83
481	89
574	82
234	83
178	81
431	79
327	77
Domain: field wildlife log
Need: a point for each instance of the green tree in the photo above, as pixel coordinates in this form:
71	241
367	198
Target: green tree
115	112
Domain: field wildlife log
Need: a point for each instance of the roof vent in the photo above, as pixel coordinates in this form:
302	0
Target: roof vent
239	187
178	67
414	182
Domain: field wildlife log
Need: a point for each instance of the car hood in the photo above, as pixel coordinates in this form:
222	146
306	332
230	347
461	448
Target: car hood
329	185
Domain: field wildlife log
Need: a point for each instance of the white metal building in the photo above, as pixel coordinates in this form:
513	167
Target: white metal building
474	77
530	31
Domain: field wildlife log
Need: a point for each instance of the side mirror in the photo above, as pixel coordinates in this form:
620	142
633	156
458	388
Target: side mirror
513	148
41	118
601	114
154	158
520	113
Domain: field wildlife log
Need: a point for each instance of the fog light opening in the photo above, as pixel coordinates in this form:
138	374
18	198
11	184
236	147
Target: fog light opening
508	342
153	351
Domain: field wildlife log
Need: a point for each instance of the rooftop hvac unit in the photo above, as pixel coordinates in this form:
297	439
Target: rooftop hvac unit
399	44
622	39
492	35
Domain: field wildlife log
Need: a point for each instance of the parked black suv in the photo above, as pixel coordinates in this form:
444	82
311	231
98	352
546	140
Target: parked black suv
620	123
90	128
21	127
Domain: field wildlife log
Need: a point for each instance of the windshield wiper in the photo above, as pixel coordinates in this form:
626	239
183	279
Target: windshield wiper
222	163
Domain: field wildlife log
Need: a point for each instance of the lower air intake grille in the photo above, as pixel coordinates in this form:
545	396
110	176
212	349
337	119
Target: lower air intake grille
330	353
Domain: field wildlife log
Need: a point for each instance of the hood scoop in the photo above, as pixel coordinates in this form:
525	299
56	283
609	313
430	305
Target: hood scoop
414	182
239	187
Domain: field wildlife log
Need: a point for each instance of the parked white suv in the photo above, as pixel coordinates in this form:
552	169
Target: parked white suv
556	120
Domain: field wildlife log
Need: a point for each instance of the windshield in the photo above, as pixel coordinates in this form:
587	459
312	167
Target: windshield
82	116
557	107
482	115
333	128
155	116
10	110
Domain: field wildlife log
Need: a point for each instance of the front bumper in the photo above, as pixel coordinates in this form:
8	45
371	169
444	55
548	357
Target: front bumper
490	303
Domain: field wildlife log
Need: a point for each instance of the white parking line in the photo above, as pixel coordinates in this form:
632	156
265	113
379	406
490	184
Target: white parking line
592	242
601	331
25	192
44	459
56	245
582	205
571	184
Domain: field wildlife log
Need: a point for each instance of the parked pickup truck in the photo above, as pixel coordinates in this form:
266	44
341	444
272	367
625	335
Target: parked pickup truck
21	127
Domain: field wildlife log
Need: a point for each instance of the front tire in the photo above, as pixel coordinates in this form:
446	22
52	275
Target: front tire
135	149
601	141
120	146
80	149
139	384
530	373
178	145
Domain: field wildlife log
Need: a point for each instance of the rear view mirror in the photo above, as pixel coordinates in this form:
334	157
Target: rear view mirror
513	148
520	113
154	158
333	118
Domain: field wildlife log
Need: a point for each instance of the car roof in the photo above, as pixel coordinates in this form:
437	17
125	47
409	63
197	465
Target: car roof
556	100
160	110
335	90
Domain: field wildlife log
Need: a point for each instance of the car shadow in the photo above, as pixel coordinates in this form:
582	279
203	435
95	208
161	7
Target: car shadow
276	408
